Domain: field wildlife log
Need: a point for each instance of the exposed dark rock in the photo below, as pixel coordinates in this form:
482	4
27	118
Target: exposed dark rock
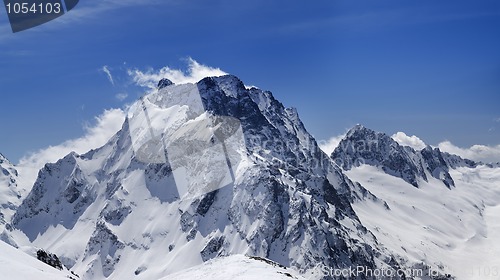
164	83
48	258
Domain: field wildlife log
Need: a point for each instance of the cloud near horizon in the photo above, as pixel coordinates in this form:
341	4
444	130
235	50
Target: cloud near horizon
486	154
483	153
328	146
95	136
405	140
195	72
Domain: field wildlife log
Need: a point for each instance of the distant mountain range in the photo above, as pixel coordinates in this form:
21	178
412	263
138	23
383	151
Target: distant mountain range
203	171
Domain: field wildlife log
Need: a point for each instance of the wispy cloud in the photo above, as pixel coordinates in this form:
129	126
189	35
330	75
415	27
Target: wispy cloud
495	124
106	125
476	152
107	71
195	72
329	145
121	96
368	20
19	53
93	9
85	10
411	141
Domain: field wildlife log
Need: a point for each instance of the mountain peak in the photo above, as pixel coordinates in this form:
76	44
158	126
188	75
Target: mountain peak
357	127
361	132
230	85
6	167
164	83
365	146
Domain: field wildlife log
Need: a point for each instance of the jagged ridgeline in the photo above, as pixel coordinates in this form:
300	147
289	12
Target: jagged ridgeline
200	171
117	215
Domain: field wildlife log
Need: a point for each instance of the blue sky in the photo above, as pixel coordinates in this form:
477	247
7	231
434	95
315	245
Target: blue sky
428	68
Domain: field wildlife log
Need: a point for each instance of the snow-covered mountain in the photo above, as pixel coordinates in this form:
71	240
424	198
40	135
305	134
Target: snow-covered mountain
9	194
450	221
14	262
213	169
10	198
365	146
135	208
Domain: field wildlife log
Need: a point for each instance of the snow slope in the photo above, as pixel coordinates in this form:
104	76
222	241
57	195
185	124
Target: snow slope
236	267
455	231
17	265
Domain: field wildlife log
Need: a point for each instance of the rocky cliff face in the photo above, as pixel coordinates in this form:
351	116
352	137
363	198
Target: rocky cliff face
10	198
8	182
365	146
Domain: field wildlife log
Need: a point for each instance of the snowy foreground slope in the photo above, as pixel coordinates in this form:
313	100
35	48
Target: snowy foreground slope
202	174
17	265
236	267
456	231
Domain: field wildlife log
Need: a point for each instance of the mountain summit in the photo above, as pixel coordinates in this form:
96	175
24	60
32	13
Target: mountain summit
365	146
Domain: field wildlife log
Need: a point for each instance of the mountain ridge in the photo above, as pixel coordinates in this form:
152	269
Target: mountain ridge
280	205
267	190
365	146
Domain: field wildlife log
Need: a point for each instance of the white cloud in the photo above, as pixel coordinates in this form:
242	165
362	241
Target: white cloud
107	124
329	145
482	153
412	141
121	96
106	70
195	72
